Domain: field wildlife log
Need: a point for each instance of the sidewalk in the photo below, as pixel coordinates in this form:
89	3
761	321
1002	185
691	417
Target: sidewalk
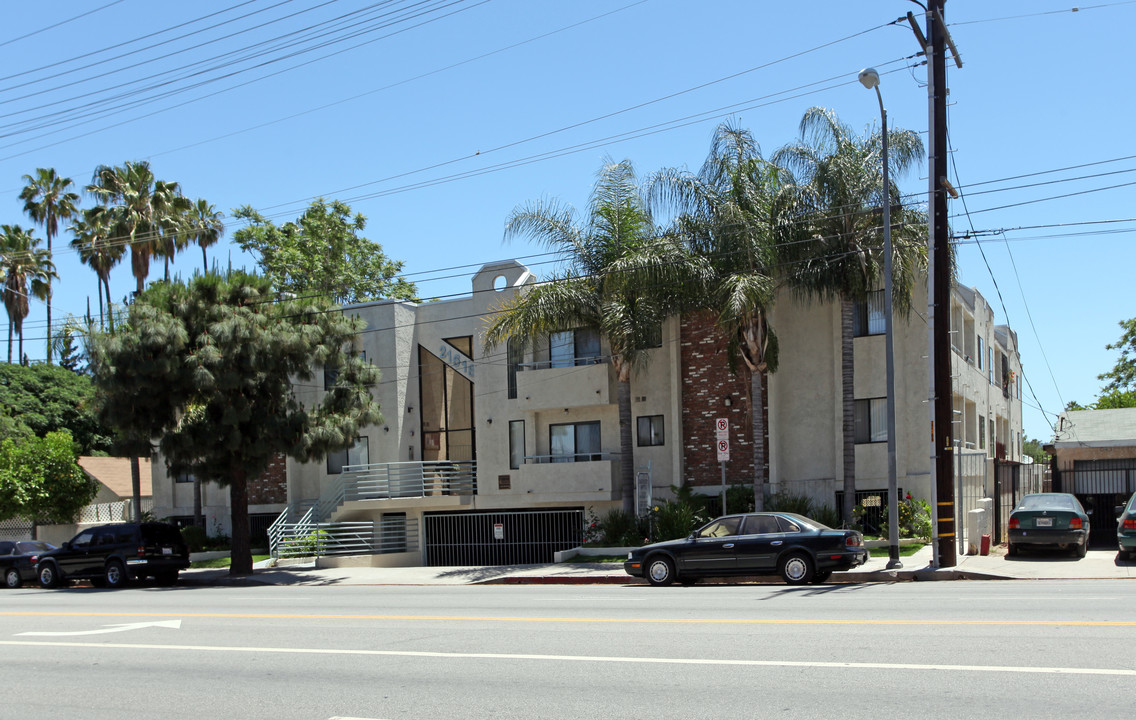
1098	564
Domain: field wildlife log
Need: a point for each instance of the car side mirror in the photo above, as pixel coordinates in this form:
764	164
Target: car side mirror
67	545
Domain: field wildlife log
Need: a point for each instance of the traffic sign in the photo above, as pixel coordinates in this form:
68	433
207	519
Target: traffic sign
723	450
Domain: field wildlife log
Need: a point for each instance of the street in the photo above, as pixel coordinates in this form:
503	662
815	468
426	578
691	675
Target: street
961	649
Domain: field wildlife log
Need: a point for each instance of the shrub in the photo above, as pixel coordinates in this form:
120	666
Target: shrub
194	538
914	519
788	502
826	515
616	528
673	519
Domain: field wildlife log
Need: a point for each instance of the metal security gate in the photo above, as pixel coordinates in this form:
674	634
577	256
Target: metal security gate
1100	485
501	538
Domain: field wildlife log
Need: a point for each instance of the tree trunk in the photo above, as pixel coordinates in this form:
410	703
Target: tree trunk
757	425
204	261
626	450
240	562
9	341
848	405
197	520
110	307
136	488
49	257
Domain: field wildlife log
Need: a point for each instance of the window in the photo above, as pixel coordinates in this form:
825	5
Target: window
574	442
650	430
979	352
357	454
990	364
184	477
871	420
574	347
726	527
981	433
761	525
515	350
516	443
868	315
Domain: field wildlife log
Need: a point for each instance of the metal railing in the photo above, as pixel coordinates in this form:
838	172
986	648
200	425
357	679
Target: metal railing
565	363
377	481
567	458
312	539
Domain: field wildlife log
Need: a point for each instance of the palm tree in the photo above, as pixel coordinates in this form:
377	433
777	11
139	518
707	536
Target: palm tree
98	251
205	228
144	210
173	218
28	272
47	200
733	214
840	177
619	280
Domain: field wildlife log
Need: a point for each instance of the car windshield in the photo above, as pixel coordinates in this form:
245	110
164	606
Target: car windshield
34	547
1049	501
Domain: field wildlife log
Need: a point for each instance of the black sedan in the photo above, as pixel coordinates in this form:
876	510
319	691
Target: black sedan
793	546
18	560
1049	520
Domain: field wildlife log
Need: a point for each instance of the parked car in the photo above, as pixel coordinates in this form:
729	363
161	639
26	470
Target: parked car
1049	520
793	546
1126	528
18	560
112	555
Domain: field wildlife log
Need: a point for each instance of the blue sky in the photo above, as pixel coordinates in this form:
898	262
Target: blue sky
460	110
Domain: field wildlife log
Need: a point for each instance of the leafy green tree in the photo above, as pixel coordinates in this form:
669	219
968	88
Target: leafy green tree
28	272
1116	399
41	481
49	398
47	200
97	250
1033	448
841	196
207	368
323	253
734	214
1123	374
619	279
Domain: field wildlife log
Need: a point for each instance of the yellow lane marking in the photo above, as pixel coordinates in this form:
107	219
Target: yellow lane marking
507	618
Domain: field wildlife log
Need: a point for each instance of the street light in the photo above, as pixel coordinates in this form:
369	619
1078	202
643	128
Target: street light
870	79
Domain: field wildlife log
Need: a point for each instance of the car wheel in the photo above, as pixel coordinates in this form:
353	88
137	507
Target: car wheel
1082	549
115	574
1011	550
12	578
660	570
48	575
821	576
796	568
167	578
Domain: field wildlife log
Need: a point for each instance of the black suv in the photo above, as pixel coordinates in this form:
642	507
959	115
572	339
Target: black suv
110	555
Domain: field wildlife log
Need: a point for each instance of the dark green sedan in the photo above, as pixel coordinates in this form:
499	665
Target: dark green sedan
1049	520
797	548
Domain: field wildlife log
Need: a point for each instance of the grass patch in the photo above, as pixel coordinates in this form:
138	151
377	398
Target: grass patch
222	562
904	551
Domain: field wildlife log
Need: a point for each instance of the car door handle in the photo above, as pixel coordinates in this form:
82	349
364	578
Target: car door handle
776	542
728	546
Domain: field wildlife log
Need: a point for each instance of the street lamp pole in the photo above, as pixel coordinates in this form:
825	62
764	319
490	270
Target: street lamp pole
870	79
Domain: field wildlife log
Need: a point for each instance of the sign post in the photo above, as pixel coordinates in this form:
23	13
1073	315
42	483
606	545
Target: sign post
722	440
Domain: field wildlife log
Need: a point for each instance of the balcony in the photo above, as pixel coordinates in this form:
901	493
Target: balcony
580	478
589	382
452	482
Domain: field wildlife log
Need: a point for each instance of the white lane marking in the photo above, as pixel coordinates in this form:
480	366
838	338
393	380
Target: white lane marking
1125	672
175	624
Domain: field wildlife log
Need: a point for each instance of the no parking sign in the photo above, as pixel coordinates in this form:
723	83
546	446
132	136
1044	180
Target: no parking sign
722	433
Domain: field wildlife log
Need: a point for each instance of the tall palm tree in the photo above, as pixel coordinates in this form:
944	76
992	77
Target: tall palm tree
97	250
173	218
143	209
28	272
205	228
734	214
47	200
841	181
618	279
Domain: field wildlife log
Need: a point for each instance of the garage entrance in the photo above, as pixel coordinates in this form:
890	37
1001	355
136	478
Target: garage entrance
515	537
1101	485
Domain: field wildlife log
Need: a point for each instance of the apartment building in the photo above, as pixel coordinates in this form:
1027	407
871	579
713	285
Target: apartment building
498	455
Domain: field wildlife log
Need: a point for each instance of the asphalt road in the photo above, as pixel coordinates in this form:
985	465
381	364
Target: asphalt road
957	649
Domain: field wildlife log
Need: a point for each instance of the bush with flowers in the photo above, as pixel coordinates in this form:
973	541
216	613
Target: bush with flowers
914	519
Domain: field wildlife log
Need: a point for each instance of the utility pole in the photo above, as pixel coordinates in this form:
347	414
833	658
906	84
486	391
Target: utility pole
943	426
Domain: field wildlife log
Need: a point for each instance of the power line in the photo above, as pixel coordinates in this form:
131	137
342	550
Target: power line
33	33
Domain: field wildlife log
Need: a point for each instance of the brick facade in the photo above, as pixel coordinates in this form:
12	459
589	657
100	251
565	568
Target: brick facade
707	382
271	487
